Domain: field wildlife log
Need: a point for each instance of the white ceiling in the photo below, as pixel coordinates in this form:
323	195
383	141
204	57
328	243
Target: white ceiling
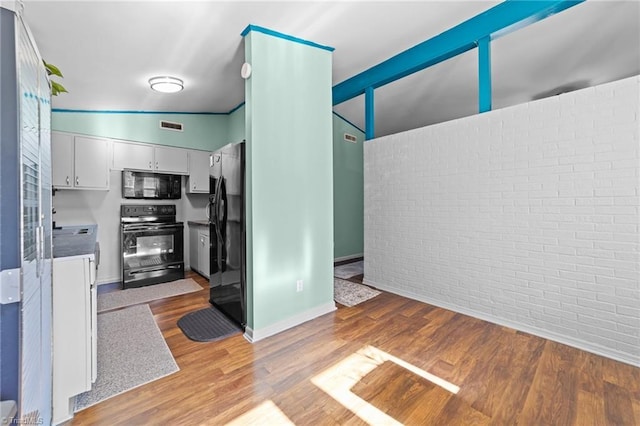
108	50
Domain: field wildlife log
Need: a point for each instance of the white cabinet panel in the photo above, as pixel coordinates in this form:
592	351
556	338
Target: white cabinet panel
73	344
199	249
203	252
198	172
91	163
62	159
171	160
193	247
132	156
79	162
146	157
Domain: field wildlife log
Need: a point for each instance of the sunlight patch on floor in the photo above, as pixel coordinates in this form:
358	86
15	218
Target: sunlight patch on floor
266	413
415	370
338	380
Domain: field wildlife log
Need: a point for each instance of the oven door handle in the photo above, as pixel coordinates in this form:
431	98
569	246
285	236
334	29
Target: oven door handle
136	228
159	268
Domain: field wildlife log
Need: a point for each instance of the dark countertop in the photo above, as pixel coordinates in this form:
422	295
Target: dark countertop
75	240
198	223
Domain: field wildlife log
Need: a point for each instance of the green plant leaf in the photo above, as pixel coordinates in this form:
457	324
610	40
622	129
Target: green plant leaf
57	88
52	70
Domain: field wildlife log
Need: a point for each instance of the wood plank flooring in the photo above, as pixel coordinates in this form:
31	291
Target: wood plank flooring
347	368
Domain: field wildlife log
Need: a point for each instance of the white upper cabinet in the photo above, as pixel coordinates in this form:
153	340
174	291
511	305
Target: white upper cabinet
135	156
91	163
62	160
198	172
171	160
132	156
79	162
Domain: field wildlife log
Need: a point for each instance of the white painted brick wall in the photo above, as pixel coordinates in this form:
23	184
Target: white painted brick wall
527	216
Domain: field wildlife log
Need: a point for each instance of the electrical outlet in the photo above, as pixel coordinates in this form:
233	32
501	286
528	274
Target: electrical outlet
299	285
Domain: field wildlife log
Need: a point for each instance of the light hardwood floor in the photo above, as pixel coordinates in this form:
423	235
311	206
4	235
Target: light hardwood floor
390	359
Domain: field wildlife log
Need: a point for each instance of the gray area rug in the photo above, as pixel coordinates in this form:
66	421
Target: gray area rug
207	325
131	352
134	296
349	270
350	294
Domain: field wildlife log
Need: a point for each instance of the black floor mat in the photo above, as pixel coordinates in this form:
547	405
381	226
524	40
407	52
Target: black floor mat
207	325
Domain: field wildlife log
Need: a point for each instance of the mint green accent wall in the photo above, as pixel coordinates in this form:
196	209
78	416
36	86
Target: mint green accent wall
237	125
248	189
289	141
201	131
348	190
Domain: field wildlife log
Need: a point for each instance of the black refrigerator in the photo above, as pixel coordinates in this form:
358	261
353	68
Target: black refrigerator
227	232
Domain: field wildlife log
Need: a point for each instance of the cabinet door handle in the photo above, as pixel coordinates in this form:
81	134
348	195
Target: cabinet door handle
156	164
150	165
194	185
77	181
67	180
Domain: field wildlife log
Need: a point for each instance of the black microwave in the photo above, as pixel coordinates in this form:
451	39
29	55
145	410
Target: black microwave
154	186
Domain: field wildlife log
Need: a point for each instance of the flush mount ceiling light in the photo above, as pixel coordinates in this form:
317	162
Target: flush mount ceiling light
166	84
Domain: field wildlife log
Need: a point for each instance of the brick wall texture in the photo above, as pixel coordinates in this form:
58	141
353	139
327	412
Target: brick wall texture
527	216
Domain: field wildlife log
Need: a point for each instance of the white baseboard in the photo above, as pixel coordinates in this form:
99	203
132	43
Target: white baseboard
264	332
351	256
550	335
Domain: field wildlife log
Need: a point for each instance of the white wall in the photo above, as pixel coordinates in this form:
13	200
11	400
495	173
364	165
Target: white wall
526	216
79	207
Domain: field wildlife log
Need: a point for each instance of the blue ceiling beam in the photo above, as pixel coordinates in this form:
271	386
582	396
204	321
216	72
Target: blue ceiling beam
484	75
369	116
501	19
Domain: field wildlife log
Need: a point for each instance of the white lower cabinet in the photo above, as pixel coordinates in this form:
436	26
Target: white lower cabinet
193	247
74	332
203	253
199	249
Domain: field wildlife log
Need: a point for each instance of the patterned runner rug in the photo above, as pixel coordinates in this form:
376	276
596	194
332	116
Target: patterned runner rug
131	352
134	296
350	294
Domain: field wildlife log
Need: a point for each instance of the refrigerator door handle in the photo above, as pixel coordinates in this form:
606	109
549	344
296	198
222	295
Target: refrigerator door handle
222	210
222	204
216	197
215	205
212	205
216	223
208	211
